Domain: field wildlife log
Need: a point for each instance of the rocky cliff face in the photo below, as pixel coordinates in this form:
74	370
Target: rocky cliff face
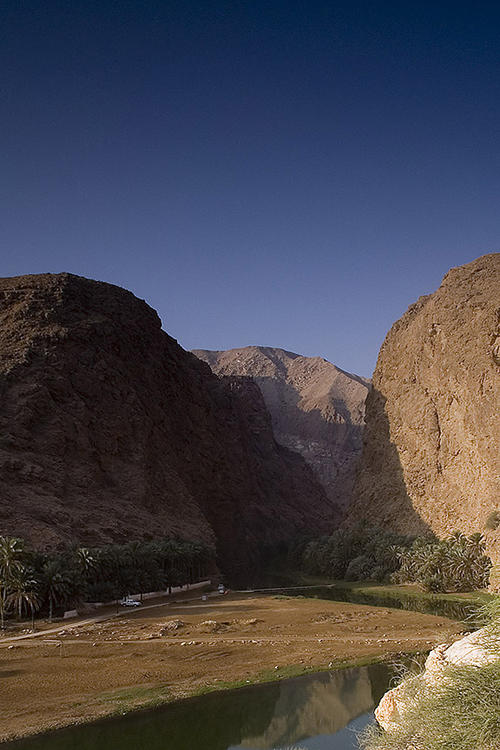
316	408
432	437
110	431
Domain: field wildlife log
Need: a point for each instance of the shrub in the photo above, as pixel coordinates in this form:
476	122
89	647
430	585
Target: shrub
493	520
434	582
460	711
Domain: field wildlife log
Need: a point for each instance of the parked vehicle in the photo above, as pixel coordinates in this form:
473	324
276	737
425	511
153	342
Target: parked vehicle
127	601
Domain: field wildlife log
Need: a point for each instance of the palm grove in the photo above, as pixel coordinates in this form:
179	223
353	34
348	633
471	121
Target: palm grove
32	581
364	553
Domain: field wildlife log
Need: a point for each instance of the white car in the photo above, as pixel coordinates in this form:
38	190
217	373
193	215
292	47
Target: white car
129	602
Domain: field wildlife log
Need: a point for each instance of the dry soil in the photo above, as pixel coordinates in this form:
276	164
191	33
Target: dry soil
172	651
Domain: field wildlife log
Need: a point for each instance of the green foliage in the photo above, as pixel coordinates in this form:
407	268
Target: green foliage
362	553
493	520
458	563
31	580
11	563
459	711
360	569
23	594
365	553
56	582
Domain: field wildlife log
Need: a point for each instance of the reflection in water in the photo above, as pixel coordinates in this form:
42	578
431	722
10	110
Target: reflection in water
344	739
315	712
309	707
429	605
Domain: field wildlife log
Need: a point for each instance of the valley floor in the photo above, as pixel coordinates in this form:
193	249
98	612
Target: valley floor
143	658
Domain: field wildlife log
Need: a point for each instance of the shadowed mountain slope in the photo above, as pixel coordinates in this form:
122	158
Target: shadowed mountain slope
432	437
317	409
110	431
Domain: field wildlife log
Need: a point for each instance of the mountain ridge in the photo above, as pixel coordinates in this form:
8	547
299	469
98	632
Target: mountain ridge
317	408
110	431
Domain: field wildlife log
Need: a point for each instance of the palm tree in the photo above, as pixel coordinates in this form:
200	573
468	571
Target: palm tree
393	554
23	593
4	588
85	560
11	551
83	564
56	584
171	552
120	566
469	567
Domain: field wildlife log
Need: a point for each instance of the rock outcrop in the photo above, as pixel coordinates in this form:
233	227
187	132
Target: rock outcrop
432	438
471	651
317	409
110	431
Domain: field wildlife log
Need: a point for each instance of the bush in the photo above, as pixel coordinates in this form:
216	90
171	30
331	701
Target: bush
459	711
493	520
434	582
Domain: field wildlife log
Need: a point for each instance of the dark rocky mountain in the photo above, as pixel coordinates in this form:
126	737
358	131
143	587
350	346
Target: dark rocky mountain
110	431
317	409
432	438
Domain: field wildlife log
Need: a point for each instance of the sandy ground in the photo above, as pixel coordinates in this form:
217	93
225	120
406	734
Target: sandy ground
172	651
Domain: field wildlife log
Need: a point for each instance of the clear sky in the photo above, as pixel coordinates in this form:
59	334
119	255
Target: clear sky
289	174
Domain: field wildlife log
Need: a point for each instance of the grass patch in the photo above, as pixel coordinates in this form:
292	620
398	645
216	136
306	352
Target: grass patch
267	675
394	589
462	712
297	670
138	696
474	597
288	596
132	698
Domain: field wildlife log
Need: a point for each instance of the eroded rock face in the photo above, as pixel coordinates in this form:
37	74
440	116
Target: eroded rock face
432	437
110	431
316	408
474	650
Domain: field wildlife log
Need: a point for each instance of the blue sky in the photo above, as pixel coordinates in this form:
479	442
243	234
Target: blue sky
289	174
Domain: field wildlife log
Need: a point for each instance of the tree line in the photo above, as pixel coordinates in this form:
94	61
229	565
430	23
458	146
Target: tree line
32	581
364	553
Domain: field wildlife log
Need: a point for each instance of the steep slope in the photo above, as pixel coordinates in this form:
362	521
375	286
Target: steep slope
316	408
432	437
110	431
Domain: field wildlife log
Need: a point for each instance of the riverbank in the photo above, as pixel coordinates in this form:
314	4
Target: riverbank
150	657
410	596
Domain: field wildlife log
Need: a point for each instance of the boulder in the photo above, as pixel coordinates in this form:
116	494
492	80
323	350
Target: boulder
472	651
